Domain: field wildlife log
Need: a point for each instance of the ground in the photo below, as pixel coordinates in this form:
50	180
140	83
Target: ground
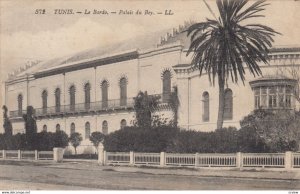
90	176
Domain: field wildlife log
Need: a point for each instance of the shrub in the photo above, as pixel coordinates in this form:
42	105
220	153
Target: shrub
43	141
140	140
277	130
96	137
75	140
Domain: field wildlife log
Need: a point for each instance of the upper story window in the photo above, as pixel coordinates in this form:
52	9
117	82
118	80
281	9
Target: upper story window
87	130
72	128
72	98
44	100
20	104
105	127
228	104
205	102
57	100
104	90
87	95
166	85
123	91
273	93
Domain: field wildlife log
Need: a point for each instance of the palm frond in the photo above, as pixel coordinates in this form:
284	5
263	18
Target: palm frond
224	47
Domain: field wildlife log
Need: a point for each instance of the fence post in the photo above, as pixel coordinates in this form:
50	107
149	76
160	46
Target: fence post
196	159
36	155
288	160
131	159
19	154
162	159
239	160
4	154
58	154
104	157
100	154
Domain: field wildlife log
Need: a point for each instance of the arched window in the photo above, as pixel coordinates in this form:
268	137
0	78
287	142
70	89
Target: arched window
44	101
123	123
87	95
104	89
166	86
45	128
57	127
20	104
123	92
87	130
72	98
57	100
205	102
105	127
228	104
72	128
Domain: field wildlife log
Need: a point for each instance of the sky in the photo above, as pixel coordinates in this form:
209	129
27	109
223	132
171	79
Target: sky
26	36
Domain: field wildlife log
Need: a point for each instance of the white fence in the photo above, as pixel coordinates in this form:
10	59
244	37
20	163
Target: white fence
296	160
117	158
147	158
287	160
263	160
216	160
26	155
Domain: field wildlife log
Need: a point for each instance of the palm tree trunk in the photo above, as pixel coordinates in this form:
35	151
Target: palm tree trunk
221	102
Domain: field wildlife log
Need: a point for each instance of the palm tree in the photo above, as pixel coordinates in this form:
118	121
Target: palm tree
224	46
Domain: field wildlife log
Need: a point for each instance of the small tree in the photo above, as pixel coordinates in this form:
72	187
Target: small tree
174	101
60	139
75	139
96	138
144	106
6	123
30	127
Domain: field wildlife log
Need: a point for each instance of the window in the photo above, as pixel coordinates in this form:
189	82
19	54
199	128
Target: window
57	127
166	86
44	101
45	128
72	98
87	95
256	98
264	97
57	100
123	123
72	128
104	89
281	96
87	130
205	101
273	96
105	127
228	105
288	97
123	92
20	104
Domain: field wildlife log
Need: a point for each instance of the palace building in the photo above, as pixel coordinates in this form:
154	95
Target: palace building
94	90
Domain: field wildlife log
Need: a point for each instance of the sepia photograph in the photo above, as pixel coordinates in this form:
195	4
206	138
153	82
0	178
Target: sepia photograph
196	95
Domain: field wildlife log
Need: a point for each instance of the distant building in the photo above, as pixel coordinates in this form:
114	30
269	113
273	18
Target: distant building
94	90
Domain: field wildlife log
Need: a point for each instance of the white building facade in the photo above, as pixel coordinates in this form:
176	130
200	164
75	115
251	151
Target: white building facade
96	93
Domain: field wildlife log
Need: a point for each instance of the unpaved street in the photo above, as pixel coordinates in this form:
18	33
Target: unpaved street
50	176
